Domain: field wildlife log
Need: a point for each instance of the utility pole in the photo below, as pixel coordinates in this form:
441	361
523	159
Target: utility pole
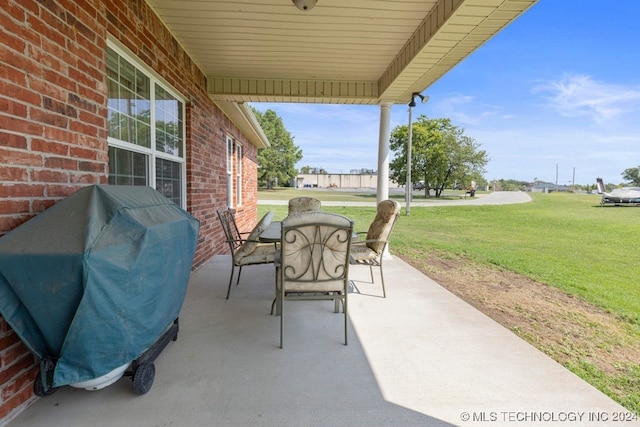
409	184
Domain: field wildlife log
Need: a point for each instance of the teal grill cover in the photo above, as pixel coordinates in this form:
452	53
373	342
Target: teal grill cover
91	283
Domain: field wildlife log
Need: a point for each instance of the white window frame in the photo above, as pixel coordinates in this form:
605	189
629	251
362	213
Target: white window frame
239	154
229	144
151	153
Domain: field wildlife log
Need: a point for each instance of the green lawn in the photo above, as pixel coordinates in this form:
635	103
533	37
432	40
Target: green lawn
565	240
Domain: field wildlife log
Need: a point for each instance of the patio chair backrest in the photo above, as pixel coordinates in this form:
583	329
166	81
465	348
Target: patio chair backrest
230	228
315	250
382	225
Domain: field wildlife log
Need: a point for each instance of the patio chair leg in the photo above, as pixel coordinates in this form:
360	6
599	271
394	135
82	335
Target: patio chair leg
276	304
230	281
239	272
344	308
281	324
371	271
353	286
384	292
336	302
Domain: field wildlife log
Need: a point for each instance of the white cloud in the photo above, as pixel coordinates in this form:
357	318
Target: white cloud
463	110
581	96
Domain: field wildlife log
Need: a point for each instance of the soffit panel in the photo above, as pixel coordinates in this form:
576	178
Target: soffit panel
356	52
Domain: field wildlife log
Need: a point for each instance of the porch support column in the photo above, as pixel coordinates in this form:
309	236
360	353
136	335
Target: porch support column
383	152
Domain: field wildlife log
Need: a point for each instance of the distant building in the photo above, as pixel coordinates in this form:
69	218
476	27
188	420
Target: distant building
547	187
340	180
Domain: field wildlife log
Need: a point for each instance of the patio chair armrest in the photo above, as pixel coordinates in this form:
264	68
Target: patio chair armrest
241	241
357	236
367	241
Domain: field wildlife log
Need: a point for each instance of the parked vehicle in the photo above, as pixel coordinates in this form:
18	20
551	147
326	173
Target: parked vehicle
418	185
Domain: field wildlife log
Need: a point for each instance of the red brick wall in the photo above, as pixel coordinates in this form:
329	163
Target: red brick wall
16	372
53	134
52	106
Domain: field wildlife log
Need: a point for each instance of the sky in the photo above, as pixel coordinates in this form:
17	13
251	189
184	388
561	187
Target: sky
555	96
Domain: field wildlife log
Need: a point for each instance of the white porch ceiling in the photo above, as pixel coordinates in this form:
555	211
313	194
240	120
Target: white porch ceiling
340	52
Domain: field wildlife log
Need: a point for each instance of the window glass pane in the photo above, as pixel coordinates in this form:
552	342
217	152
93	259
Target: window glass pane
127	75
113	118
239	175
143	86
168	179
141	108
127	167
168	123
129	101
144	134
229	155
130	109
112	65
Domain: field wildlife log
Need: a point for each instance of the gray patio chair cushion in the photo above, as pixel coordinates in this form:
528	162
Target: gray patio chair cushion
381	227
362	252
262	253
304	204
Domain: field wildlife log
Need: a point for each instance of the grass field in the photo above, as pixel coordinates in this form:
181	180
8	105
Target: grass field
564	240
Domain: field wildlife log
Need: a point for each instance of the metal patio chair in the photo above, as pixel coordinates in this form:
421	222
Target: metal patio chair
313	261
249	250
371	250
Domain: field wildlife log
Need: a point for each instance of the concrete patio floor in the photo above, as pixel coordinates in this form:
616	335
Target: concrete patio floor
420	357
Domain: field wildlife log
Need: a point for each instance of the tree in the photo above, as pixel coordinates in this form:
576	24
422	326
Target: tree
632	175
511	184
441	155
312	170
276	164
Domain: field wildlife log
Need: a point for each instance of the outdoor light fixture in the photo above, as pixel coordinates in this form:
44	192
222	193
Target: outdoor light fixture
423	99
305	4
409	184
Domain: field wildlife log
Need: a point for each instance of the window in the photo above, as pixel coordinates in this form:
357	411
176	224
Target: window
229	142
239	175
145	129
234	163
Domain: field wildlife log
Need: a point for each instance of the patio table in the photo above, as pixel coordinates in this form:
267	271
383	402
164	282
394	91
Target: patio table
272	233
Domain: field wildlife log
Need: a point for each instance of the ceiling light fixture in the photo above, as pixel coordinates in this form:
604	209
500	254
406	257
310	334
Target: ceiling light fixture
305	4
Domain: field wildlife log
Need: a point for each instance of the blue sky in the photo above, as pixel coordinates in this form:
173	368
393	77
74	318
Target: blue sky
559	87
